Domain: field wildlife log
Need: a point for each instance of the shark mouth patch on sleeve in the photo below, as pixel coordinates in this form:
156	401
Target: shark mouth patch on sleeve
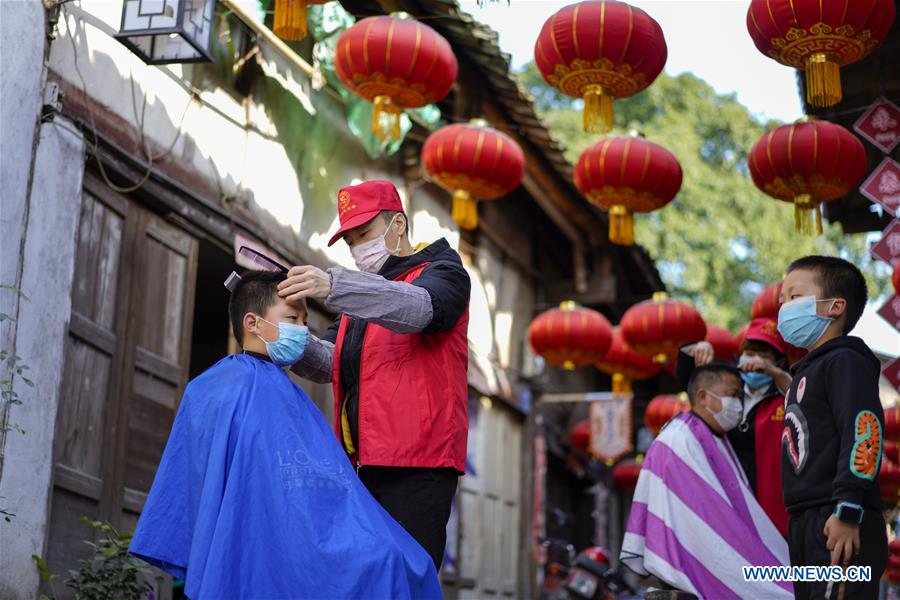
795	437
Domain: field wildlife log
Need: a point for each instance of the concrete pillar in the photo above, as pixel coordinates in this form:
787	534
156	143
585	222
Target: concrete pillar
42	328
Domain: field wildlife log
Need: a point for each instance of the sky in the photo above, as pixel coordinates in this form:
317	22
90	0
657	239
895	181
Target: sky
705	37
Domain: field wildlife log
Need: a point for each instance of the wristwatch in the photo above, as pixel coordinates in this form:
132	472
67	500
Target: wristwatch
848	512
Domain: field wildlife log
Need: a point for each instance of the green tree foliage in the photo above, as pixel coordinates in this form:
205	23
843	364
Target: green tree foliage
721	239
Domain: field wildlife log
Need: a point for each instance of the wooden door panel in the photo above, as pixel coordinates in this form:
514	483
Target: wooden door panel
149	423
79	438
97	261
163	288
126	365
90	383
161	322
68	533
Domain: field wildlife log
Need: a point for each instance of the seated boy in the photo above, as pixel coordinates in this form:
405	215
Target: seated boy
254	496
694	522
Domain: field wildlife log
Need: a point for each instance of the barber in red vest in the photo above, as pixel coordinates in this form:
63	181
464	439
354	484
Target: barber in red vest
396	356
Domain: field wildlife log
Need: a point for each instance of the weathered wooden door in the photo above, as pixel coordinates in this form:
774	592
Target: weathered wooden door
126	364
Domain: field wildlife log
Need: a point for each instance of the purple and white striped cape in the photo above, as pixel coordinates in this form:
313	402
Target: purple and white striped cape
694	521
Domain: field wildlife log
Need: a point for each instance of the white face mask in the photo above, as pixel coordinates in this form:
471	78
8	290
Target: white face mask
370	256
732	409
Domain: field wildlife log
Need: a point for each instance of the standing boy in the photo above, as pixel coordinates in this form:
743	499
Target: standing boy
832	438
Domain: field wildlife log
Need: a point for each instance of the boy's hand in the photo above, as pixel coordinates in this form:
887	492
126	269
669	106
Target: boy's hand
305	282
702	353
843	540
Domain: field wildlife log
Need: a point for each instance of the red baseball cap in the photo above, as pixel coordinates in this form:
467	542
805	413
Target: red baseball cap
766	330
359	204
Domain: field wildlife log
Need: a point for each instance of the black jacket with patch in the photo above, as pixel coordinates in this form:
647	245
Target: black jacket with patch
833	428
447	283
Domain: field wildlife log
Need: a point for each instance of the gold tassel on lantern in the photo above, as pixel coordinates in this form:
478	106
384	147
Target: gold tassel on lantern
386	119
290	19
823	80
598	112
465	209
620	384
807	215
621	225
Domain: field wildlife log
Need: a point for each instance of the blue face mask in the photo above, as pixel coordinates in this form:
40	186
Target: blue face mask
290	345
799	324
754	379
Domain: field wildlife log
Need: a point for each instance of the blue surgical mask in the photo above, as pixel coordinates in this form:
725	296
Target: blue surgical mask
799	324
290	345
754	379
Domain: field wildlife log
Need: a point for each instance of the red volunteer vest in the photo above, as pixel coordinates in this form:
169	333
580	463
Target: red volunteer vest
413	394
768	426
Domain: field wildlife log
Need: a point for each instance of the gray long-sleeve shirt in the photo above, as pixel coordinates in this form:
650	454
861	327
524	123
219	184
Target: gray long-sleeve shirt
395	305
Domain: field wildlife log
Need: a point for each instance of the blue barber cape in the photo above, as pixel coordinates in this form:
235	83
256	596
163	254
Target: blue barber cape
255	498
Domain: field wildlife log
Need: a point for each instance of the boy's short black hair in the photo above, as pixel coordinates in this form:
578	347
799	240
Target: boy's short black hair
706	376
838	278
256	292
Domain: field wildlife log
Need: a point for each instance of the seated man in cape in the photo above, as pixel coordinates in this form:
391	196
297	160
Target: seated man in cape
694	521
254	496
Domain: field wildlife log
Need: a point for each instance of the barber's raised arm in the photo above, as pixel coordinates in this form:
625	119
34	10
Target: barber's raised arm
317	361
395	305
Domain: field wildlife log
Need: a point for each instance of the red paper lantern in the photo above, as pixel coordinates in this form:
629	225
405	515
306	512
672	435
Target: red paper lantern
627	175
893	575
892	451
894	547
600	51
807	164
660	327
395	63
893	561
625	474
570	336
889	480
474	162
724	344
895	278
892	423
289	22
661	409
581	435
889	473
818	36
767	302
625	365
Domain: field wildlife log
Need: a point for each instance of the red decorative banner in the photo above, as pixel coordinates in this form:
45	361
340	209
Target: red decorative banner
890	312
891	372
880	124
610	426
883	186
888	249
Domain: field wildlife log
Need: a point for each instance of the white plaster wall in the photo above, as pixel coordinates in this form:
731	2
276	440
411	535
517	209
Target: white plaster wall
49	264
22	49
234	145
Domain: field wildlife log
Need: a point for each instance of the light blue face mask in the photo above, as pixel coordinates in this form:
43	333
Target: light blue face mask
799	324
290	345
754	379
